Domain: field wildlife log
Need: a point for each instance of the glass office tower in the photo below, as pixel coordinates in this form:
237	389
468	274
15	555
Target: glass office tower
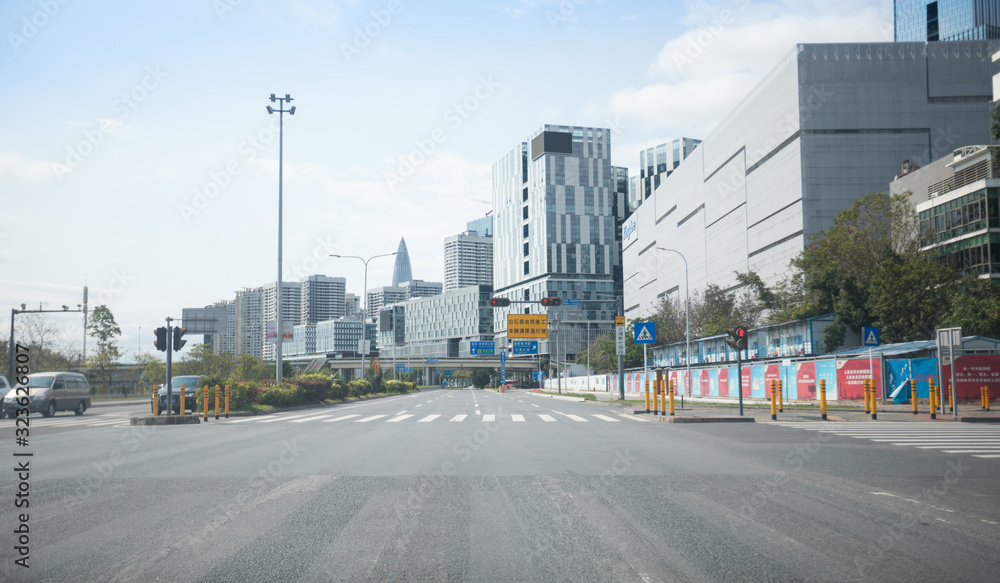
946	20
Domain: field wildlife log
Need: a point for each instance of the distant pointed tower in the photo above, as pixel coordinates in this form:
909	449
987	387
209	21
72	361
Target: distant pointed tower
401	272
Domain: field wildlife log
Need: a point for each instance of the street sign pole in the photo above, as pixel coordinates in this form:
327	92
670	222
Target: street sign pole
739	378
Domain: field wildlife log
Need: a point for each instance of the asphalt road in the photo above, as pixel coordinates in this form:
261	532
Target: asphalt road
407	489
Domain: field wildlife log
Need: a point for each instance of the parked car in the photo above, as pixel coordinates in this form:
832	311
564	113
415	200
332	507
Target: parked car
190	384
50	392
4	389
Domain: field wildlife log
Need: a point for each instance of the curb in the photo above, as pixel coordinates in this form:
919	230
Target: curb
561	398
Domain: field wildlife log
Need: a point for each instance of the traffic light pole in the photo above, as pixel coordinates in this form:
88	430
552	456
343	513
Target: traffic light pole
170	388
739	379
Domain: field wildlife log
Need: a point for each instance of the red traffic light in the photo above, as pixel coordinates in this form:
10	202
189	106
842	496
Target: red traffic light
551	302
499	302
737	338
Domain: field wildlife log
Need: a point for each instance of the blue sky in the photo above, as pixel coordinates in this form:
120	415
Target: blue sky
136	155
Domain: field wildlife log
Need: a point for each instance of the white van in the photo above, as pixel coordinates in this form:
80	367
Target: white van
49	392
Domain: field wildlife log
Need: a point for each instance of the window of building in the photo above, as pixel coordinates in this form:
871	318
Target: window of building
526	267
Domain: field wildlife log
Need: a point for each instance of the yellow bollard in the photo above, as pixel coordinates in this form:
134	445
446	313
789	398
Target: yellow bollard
663	396
227	401
950	406
204	400
672	389
781	399
647	394
774	404
868	408
986	390
216	401
822	398
933	394
183	409
656	397
874	405
156	404
913	394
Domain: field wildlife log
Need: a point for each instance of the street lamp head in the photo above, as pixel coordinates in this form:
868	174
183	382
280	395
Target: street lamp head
24	306
273	99
288	97
270	109
291	111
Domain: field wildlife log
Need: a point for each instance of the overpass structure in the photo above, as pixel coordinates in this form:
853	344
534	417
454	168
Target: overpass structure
433	368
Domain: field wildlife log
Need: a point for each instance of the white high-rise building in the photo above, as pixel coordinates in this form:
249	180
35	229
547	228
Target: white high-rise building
383	296
291	310
323	298
468	260
352	305
248	337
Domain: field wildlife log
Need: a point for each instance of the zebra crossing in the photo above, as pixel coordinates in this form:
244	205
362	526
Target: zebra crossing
982	441
410	417
85	420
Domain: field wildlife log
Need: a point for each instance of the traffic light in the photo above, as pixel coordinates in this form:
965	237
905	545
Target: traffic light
551	302
737	338
161	339
178	341
499	302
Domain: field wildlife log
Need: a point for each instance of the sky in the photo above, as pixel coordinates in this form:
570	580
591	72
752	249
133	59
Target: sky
137	156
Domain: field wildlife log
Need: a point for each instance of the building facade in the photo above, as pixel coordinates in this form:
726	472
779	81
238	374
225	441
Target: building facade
468	260
291	311
323	298
249	332
383	296
830	123
958	204
441	326
554	220
946	20
482	226
401	269
657	163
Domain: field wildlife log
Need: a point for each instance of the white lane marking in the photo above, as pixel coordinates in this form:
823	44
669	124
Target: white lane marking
243	420
339	418
401	412
398	418
477	412
428	419
458	418
313	418
290	417
372	418
420	405
988	456
547	418
576	418
986	521
606	418
965	450
534	405
489	418
635	418
517	418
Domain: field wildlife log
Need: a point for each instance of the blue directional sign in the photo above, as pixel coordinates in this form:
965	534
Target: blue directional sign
446	373
537	375
869	335
400	366
573	302
645	333
503	366
525	347
481	348
432	361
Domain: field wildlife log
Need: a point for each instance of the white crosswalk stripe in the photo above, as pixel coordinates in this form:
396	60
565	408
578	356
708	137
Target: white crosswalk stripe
398	418
548	418
428	419
517	418
340	418
975	440
372	418
489	418
403	417
458	418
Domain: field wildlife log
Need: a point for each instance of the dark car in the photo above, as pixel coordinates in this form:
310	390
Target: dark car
190	383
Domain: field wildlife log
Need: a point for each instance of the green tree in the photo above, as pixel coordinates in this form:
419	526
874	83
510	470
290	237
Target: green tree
153	372
103	328
909	298
975	307
480	378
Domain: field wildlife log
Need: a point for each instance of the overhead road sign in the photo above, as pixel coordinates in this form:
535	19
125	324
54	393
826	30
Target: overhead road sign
522	347
573	302
645	333
527	326
477	348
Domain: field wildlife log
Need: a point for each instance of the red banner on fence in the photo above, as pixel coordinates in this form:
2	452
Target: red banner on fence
703	382
851	375
974	371
805	377
724	382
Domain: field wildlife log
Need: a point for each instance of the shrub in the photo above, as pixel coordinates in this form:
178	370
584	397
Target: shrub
314	387
411	387
336	392
359	388
281	395
395	386
241	396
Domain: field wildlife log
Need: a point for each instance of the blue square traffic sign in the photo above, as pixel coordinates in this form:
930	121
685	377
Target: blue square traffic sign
645	333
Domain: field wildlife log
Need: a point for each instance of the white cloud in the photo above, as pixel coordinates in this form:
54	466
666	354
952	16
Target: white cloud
698	76
18	167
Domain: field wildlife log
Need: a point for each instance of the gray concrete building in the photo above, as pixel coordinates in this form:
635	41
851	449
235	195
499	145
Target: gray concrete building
468	260
828	124
322	298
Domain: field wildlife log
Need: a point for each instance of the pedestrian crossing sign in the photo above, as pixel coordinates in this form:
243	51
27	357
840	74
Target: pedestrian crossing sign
870	336
645	333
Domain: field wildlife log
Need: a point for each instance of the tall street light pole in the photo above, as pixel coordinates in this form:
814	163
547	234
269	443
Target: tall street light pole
364	310
281	146
687	312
